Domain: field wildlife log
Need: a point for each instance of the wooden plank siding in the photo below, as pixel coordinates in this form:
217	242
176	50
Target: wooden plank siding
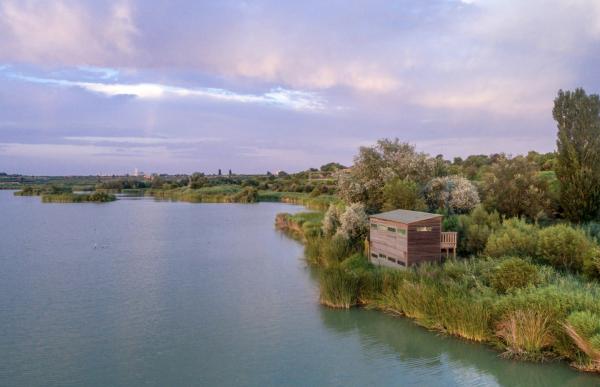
391	244
424	246
408	248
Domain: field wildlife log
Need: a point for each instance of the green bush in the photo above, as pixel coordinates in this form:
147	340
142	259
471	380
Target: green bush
565	247
514	238
475	229
514	273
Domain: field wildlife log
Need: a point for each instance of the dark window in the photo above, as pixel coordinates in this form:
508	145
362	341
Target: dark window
401	263
373	255
392	229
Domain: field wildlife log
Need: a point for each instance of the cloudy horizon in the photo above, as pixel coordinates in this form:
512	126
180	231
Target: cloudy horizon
91	87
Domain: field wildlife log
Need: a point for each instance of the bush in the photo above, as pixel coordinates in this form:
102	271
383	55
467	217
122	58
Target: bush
514	273
331	220
354	223
475	229
454	194
565	247
514	238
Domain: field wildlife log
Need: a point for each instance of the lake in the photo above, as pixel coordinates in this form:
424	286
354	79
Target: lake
141	292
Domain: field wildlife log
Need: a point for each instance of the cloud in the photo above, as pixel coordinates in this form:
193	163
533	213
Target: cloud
140	140
66	32
279	97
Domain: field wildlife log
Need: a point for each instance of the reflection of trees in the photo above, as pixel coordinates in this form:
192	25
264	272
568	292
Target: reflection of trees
419	348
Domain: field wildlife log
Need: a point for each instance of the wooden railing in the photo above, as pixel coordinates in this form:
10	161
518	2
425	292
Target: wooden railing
448	242
449	239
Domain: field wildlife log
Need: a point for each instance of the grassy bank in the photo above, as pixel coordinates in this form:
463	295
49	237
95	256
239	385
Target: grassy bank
527	310
96	197
215	194
318	203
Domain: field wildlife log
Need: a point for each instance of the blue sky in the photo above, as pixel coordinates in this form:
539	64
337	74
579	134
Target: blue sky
182	86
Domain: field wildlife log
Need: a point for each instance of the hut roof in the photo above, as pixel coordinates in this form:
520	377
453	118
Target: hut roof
405	216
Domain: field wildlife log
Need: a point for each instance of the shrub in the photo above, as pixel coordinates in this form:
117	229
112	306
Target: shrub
450	223
475	229
591	265
354	223
592	229
453	193
331	220
514	273
515	237
339	288
565	247
402	193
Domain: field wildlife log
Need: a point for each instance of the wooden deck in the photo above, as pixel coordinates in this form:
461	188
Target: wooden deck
448	242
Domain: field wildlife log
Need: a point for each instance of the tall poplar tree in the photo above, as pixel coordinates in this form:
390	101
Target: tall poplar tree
578	161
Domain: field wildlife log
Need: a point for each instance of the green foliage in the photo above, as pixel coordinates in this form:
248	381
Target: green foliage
565	247
450	223
475	229
515	238
514	273
96	197
578	162
336	249
586	323
246	195
356	262
514	188
402	194
374	166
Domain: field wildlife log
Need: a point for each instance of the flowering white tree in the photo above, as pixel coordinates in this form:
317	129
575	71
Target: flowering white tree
455	193
354	222
377	165
331	221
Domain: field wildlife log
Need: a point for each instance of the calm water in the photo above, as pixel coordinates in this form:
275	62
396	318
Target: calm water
138	292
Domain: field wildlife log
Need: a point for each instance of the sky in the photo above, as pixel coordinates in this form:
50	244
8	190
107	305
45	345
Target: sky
103	87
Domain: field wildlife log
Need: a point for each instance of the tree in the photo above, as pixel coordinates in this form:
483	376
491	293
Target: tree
197	180
453	194
375	166
514	187
578	160
403	194
331	220
331	167
354	223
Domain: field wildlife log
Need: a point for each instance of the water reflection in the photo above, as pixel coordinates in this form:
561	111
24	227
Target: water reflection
456	361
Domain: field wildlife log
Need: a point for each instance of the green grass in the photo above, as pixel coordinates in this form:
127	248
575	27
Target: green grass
96	197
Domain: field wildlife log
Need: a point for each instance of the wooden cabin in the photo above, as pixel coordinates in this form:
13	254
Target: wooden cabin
402	238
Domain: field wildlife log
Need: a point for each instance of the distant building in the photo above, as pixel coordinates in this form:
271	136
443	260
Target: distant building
402	238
